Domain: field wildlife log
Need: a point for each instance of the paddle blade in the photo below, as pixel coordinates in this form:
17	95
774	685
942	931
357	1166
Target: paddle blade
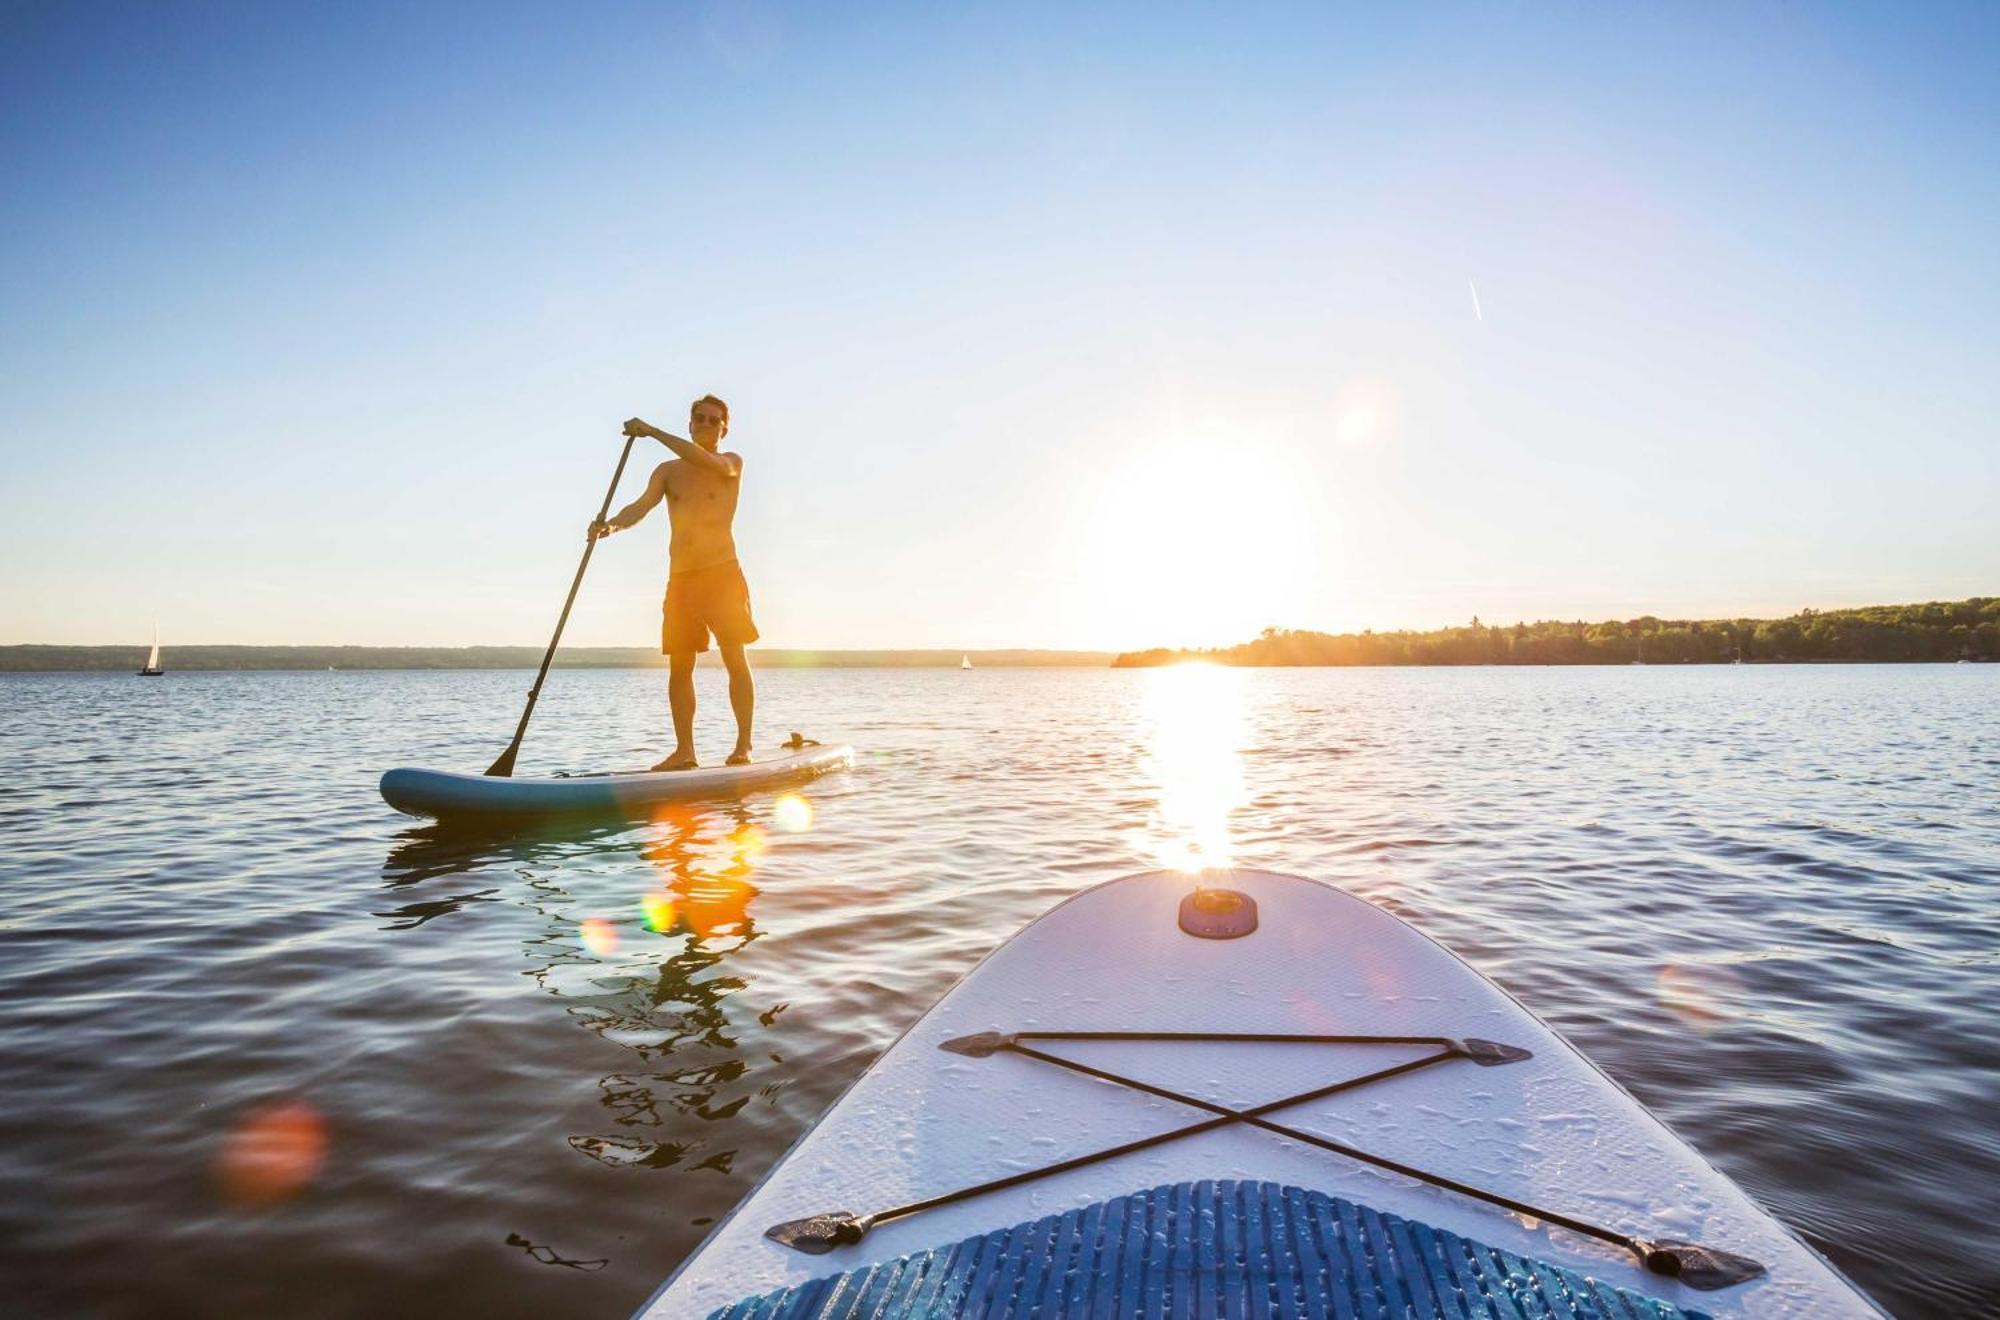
503	767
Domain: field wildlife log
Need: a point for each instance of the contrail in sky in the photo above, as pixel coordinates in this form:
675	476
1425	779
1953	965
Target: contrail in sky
1475	300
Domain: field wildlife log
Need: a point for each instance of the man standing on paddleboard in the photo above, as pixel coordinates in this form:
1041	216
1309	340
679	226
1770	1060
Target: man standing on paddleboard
706	592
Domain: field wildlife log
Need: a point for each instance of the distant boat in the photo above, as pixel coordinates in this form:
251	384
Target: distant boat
152	669
965	662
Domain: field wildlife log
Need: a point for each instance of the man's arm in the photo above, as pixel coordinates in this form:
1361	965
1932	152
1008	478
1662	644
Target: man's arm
656	490
729	465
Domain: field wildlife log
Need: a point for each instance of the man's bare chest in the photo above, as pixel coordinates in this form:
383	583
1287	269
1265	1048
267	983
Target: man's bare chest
699	494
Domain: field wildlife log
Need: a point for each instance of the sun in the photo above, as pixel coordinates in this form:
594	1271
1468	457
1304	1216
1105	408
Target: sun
1200	544
1365	414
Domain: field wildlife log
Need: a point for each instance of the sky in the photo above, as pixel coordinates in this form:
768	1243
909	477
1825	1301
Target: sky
1041	325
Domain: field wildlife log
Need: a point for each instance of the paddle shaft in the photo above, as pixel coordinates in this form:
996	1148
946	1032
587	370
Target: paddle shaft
503	766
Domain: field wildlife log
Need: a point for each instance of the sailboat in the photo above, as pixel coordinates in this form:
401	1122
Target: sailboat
152	669
965	662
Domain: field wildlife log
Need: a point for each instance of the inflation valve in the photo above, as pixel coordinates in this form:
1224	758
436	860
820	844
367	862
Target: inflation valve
1218	914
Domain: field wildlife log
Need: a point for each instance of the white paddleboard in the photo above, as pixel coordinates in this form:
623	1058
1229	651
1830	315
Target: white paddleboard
452	796
1237	1219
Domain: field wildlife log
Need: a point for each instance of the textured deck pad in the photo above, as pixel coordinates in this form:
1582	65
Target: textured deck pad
1210	1249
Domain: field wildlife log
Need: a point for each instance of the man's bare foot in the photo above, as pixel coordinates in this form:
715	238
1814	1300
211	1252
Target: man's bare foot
678	761
741	756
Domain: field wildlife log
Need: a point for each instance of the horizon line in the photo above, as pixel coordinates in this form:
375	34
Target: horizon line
1041	649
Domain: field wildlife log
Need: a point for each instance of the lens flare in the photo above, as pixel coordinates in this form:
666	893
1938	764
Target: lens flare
272	1154
599	936
660	913
793	813
1702	997
749	843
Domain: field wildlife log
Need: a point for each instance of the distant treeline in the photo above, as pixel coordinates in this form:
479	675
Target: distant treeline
1960	630
19	659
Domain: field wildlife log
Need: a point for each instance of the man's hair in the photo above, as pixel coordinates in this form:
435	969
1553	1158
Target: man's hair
710	398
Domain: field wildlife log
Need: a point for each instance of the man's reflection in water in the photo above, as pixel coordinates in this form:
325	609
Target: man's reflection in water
677	1015
706	889
640	963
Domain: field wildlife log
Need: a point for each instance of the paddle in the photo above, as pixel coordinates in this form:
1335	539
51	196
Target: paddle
504	766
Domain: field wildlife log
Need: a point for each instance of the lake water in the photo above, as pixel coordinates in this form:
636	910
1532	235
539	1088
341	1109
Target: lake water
268	1048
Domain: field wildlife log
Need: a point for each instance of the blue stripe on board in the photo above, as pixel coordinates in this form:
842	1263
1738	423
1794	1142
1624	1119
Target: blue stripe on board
1215	1248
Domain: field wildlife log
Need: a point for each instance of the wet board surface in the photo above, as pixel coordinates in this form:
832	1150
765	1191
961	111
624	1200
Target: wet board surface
449	795
1236	1220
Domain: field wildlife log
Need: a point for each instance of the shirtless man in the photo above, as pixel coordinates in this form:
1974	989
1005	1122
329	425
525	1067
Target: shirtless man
705	587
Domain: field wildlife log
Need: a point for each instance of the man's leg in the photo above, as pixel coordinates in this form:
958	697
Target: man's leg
680	697
742	696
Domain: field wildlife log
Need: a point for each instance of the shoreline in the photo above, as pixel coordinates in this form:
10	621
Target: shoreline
46	659
1940	632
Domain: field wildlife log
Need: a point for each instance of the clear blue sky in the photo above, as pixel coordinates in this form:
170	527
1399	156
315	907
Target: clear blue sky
1059	325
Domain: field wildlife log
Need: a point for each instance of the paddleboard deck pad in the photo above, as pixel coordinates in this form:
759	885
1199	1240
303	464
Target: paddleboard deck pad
450	796
1283	1103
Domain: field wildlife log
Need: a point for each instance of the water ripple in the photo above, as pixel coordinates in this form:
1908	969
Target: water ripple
525	1074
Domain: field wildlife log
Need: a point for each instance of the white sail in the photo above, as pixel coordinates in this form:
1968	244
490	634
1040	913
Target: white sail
965	662
153	656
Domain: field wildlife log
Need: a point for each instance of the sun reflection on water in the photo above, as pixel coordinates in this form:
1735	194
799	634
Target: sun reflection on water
1193	735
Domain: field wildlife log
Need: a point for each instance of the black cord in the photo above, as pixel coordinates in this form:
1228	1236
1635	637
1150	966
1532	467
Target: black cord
1698	1266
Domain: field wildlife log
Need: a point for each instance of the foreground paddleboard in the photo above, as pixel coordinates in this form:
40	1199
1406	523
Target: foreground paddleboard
877	1210
449	796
